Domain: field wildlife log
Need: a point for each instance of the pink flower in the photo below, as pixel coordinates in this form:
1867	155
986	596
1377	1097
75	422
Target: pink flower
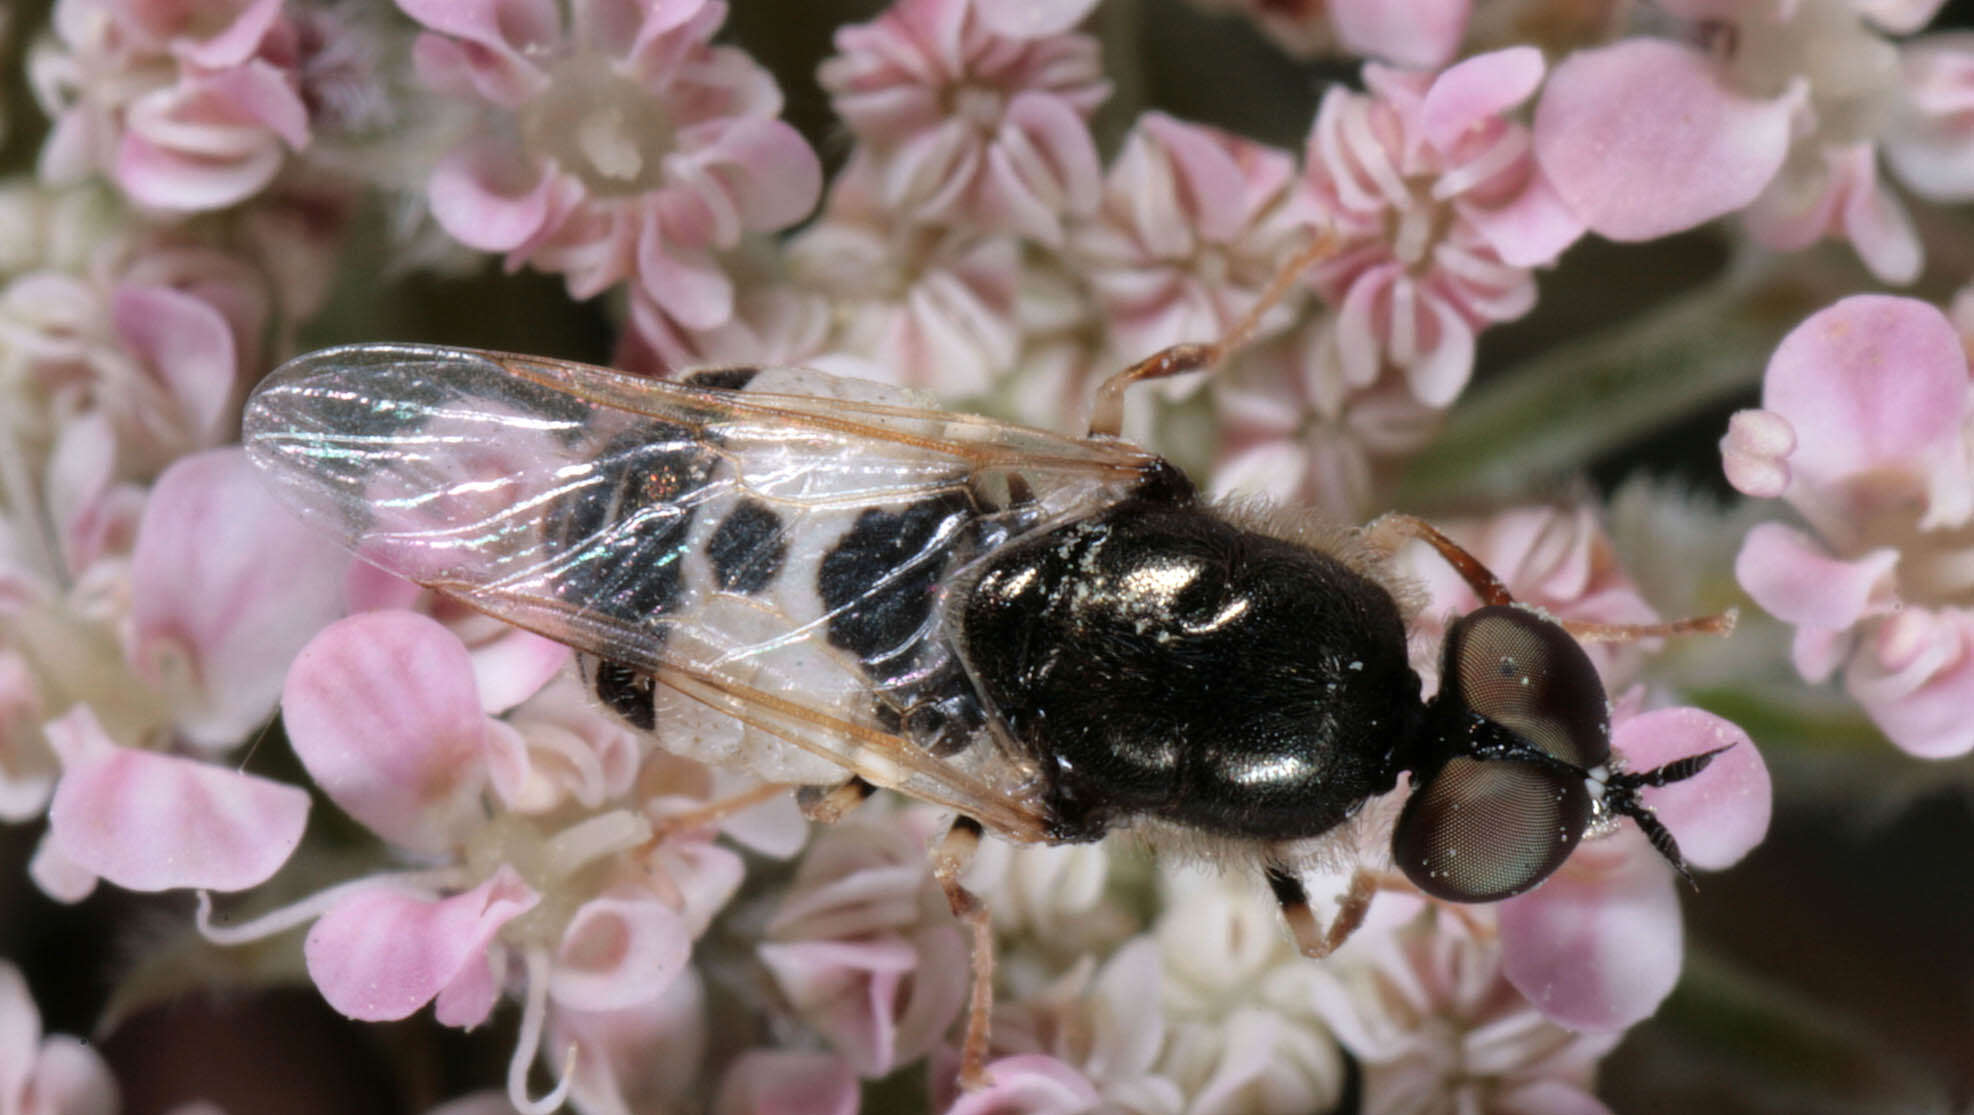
225	586
185	109
968	125
380	954
46	1075
1428	1013
1442	211
1293	430
382	710
1597	946
930	307
152	822
1110	1026
1781	113
863	947
176	640
1862	431
1029	1084
633	147
1931	144
773	323
159	339
638	1058
1193	225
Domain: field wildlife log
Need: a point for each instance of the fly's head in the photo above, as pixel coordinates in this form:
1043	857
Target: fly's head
1513	762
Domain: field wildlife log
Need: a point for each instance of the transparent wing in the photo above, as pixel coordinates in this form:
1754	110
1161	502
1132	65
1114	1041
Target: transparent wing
769	556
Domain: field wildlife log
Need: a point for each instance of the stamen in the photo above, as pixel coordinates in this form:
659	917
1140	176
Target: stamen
315	905
534	1013
592	839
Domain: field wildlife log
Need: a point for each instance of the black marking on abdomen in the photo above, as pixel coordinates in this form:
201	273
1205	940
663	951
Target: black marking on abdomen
880	580
723	379
627	693
624	532
880	584
747	548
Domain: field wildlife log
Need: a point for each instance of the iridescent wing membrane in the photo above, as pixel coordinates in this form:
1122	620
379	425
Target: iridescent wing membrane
772	556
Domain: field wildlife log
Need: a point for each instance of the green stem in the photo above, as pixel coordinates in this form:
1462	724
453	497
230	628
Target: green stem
1527	429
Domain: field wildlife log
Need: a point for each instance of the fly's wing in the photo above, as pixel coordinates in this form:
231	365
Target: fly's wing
757	552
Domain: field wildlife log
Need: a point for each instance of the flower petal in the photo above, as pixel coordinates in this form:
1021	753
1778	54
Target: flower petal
849	990
381	954
151	822
1417	33
167	178
1915	678
226	586
1642	139
1796	580
381	709
1029	1084
619	953
1032	19
1597	947
1872	382
488	197
1718	815
1477	90
186	343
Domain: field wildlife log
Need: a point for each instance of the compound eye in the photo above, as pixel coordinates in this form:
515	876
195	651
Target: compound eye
1528	675
1481	830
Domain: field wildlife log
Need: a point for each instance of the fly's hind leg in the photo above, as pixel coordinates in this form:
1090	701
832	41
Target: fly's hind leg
949	862
828	804
1311	938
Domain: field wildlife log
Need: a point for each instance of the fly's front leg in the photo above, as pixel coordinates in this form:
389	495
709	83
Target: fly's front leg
1311	938
1388	531
949	862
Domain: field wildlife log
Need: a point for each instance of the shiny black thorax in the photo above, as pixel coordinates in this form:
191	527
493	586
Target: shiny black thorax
1157	660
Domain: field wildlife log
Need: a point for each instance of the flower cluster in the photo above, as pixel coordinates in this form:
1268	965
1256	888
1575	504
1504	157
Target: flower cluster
154	592
1863	431
1787	107
621	145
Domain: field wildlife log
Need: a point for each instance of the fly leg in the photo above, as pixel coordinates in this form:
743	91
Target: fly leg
1311	938
949	862
1389	530
829	804
717	810
1107	412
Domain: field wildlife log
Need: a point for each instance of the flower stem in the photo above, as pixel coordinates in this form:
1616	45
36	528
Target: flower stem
1536	424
